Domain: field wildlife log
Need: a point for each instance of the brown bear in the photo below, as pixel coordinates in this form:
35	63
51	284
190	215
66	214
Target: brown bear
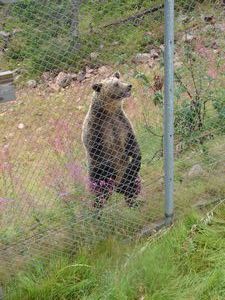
113	153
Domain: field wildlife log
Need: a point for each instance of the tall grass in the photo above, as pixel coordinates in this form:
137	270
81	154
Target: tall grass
186	262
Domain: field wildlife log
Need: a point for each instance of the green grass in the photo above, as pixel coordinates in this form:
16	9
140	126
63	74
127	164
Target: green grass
44	41
186	262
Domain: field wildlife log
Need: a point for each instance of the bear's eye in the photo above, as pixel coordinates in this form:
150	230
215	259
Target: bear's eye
116	84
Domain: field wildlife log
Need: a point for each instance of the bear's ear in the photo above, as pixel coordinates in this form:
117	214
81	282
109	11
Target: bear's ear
97	87
117	74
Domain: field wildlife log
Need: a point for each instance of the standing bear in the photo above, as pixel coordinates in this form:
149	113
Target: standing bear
113	153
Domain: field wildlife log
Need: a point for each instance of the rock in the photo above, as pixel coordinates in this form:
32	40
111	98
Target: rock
148	34
215	46
94	55
89	72
89	75
154	54
183	18
17	77
21	126
142	58
32	83
5	35
46	76
81	76
146	58
53	86
73	76
151	63
195	171
188	37
210	19
103	70
162	47
115	43
63	79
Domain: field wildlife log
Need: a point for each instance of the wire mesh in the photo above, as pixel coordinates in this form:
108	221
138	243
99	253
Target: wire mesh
59	191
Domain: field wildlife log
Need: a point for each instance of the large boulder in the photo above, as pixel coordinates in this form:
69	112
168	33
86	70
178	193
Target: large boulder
32	83
195	171
63	79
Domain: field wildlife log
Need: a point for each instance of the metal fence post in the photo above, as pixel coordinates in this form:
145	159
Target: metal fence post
169	111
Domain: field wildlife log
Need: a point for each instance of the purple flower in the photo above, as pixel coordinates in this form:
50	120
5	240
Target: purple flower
99	186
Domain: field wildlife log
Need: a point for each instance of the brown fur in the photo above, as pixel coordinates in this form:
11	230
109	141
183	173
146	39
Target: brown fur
108	135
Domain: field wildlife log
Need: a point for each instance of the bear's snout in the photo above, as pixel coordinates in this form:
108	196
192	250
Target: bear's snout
129	87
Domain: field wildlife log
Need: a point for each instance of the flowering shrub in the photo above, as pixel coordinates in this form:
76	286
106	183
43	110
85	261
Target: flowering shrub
196	91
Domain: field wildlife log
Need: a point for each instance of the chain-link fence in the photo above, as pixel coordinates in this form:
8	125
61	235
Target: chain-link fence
60	191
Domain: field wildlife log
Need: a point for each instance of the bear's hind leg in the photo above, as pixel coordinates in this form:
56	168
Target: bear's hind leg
102	184
130	188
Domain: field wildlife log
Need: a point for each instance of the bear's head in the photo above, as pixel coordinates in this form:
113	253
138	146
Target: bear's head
112	88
